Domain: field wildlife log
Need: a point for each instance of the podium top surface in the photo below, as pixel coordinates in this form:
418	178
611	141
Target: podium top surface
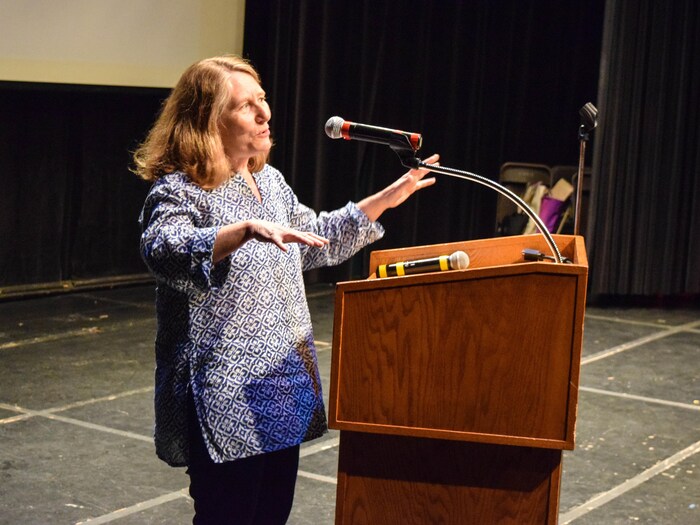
485	253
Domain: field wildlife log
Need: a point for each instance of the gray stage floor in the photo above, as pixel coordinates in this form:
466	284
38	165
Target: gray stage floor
76	417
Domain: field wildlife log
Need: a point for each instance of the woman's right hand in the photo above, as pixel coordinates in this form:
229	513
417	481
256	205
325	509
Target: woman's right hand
233	236
266	231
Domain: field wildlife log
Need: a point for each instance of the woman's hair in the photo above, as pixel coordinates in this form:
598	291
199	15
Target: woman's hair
185	137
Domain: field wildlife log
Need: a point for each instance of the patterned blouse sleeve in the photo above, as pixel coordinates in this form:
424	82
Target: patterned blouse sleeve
175	249
348	229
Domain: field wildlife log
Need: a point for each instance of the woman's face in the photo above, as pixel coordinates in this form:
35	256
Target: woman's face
243	125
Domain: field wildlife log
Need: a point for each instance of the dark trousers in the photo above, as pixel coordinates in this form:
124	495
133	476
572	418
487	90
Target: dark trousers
258	490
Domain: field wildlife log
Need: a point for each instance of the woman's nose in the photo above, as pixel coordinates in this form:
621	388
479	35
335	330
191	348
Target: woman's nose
264	113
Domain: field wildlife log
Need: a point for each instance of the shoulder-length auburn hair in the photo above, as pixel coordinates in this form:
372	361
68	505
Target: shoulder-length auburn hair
185	136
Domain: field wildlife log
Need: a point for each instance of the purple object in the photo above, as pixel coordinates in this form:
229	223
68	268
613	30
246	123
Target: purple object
551	211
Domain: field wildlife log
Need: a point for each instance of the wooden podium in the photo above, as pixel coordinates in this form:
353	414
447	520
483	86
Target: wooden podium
456	392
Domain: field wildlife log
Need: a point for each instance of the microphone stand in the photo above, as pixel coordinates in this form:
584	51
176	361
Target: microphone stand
409	160
589	120
582	137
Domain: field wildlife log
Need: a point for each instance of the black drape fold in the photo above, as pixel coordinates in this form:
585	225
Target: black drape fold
645	217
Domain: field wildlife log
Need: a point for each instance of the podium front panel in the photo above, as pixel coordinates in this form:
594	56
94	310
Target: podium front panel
487	355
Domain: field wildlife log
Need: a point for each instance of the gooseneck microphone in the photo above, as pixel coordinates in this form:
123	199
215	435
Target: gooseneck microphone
405	144
457	261
337	128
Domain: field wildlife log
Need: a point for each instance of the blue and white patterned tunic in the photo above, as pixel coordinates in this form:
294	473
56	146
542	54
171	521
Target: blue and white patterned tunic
237	334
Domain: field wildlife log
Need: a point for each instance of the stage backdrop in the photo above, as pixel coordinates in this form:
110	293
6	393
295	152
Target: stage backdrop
485	82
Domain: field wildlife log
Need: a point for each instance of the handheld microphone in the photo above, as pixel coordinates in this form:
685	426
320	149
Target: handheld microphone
337	128
457	261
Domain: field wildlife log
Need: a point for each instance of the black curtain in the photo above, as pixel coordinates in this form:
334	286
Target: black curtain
645	217
69	205
485	83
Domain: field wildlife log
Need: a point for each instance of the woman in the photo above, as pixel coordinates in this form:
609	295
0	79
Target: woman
237	382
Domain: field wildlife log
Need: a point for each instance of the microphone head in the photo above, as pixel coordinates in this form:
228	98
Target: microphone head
459	260
333	126
589	116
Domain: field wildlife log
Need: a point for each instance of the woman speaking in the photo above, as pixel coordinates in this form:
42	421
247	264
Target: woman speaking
237	387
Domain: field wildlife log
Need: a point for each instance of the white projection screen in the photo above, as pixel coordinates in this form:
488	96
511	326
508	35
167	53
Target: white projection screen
144	43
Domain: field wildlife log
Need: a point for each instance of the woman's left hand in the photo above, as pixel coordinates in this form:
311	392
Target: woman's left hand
397	192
